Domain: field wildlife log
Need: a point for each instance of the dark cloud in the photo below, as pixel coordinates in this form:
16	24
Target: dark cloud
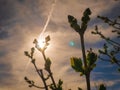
6	79
2	53
27	13
94	45
21	13
113	12
7	10
6	75
21	1
5	66
4	34
32	11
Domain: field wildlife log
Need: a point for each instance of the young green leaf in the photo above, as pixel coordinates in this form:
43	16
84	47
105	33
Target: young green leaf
76	64
102	87
47	64
73	23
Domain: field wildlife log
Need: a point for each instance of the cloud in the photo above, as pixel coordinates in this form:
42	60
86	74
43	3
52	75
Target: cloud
79	6
4	34
23	20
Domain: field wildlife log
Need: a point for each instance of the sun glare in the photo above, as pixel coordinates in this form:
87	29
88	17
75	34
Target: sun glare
41	43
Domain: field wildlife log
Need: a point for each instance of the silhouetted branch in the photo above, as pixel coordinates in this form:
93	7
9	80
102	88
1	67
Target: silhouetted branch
115	50
49	70
89	62
32	84
40	72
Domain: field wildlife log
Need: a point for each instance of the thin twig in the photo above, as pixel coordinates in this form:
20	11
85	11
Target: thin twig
40	73
50	73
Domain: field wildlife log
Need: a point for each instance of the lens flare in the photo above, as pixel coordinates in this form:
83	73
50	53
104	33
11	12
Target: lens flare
72	43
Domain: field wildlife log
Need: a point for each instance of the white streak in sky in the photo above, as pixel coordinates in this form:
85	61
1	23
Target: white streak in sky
48	18
27	64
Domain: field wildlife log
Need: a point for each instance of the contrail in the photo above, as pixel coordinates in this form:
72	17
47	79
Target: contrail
48	19
27	64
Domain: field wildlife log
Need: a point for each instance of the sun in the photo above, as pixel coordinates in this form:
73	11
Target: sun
41	43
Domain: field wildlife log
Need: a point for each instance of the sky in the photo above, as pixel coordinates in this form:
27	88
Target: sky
21	21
